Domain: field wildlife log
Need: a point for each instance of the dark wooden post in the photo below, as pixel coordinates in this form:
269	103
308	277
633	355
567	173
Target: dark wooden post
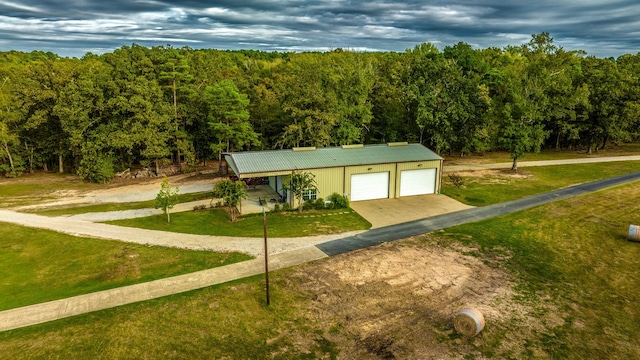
266	254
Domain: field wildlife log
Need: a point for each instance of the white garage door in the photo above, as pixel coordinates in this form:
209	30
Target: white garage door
417	182
370	186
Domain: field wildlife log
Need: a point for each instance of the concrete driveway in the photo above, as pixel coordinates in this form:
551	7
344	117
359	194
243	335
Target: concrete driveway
385	212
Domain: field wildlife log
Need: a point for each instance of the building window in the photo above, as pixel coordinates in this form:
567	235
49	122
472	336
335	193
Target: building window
309	195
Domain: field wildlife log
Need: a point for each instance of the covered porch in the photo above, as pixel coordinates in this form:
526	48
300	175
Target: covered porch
258	193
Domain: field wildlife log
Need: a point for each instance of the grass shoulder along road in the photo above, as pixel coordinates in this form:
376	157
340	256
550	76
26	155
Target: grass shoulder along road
41	265
487	187
283	224
569	261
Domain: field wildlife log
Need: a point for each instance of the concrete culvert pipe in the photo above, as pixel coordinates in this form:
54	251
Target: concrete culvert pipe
469	322
634	233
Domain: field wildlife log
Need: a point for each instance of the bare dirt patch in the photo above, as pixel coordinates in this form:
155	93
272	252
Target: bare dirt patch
120	190
398	301
496	173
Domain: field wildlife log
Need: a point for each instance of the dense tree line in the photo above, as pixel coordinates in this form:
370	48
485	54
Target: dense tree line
152	106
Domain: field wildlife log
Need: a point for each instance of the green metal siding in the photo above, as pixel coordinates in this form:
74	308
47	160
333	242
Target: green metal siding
364	169
433	164
329	180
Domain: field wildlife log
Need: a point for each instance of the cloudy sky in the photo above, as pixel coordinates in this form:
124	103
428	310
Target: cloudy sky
74	27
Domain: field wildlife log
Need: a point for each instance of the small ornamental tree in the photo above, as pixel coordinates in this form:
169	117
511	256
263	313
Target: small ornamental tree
298	183
167	198
232	192
457	181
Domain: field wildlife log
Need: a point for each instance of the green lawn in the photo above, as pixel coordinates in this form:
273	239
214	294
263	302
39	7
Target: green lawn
546	154
228	321
40	265
30	189
575	255
568	260
503	185
285	224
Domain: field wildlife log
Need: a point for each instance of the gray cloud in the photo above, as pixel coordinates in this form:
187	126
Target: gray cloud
74	27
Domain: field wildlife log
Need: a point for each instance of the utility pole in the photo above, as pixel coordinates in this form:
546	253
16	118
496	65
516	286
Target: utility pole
266	254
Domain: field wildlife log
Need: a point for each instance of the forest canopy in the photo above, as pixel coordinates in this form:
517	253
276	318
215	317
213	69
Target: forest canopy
139	106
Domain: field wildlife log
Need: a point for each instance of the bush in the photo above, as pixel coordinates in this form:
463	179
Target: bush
18	166
320	204
339	201
97	169
309	204
276	208
6	169
456	180
286	207
95	165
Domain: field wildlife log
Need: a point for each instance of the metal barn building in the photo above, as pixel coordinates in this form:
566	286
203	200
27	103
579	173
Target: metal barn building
360	172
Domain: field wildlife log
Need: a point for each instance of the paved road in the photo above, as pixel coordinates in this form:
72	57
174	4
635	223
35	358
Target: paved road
401	231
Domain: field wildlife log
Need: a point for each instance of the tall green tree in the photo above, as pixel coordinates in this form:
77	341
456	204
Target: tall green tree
630	67
520	102
352	81
10	118
309	103
298	183
175	74
470	119
391	119
449	104
326	98
140	120
39	89
81	110
228	118
613	98
9	140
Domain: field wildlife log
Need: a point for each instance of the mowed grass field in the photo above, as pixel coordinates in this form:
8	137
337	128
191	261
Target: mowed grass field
41	265
570	257
283	224
487	187
545	154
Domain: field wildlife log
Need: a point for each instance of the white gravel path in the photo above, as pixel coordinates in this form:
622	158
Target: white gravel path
523	164
252	246
137	213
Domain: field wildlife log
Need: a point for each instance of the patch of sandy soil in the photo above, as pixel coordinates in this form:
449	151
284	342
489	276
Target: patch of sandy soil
398	301
497	173
123	191
494	176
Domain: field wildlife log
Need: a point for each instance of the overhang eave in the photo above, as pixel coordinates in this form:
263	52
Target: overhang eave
264	174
